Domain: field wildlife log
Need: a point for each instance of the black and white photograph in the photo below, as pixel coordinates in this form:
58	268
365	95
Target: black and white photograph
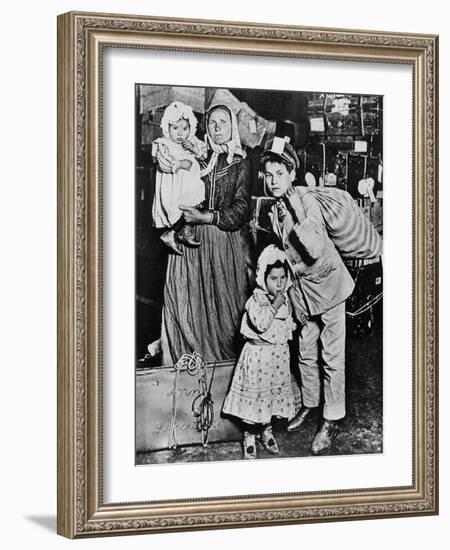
231	340
259	275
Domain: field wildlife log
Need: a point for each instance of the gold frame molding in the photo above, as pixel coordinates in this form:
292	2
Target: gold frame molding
81	37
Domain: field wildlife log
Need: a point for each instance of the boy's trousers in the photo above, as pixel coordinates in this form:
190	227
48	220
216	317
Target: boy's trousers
322	345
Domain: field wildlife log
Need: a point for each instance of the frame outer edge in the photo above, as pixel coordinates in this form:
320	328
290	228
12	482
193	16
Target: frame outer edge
435	244
128	20
65	281
76	502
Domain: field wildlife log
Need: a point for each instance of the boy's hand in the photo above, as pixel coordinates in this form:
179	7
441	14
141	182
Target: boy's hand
279	300
294	199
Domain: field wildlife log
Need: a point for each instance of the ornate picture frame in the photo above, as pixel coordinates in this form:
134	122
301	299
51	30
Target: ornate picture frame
82	40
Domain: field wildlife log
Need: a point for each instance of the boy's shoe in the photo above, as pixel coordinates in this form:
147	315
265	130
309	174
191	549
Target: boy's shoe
268	441
186	236
249	445
303	417
324	438
168	238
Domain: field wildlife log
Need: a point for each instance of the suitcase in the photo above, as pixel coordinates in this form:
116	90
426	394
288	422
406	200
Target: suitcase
364	306
165	405
314	160
343	114
168	406
372	115
260	225
316	112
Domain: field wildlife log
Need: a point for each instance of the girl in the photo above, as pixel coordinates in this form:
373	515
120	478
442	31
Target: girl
261	386
178	176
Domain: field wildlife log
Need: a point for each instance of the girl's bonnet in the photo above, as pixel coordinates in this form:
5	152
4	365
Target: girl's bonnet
174	112
269	256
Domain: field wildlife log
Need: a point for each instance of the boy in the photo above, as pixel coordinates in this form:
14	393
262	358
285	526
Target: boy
321	286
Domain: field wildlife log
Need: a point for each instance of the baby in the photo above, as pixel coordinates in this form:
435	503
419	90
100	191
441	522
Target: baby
178	179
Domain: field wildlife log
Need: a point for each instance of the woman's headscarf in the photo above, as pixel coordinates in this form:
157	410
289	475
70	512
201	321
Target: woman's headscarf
269	256
232	147
174	112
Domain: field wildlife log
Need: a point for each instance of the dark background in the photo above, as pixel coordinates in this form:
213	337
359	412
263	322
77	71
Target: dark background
329	151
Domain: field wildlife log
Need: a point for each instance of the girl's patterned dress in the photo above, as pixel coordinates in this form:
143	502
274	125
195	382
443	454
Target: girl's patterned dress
261	386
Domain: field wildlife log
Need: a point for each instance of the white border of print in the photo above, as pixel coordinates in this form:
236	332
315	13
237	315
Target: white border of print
123	481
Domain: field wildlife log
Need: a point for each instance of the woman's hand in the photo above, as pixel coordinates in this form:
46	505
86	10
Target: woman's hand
195	216
183	164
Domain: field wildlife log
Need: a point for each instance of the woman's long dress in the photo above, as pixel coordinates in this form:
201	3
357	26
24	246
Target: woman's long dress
206	288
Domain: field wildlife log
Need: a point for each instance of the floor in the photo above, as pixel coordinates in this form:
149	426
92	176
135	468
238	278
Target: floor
361	432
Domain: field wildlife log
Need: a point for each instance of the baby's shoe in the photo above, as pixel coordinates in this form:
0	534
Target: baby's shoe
249	445
154	348
187	236
168	238
268	441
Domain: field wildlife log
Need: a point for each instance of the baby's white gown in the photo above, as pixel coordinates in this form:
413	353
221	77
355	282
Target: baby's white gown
171	190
